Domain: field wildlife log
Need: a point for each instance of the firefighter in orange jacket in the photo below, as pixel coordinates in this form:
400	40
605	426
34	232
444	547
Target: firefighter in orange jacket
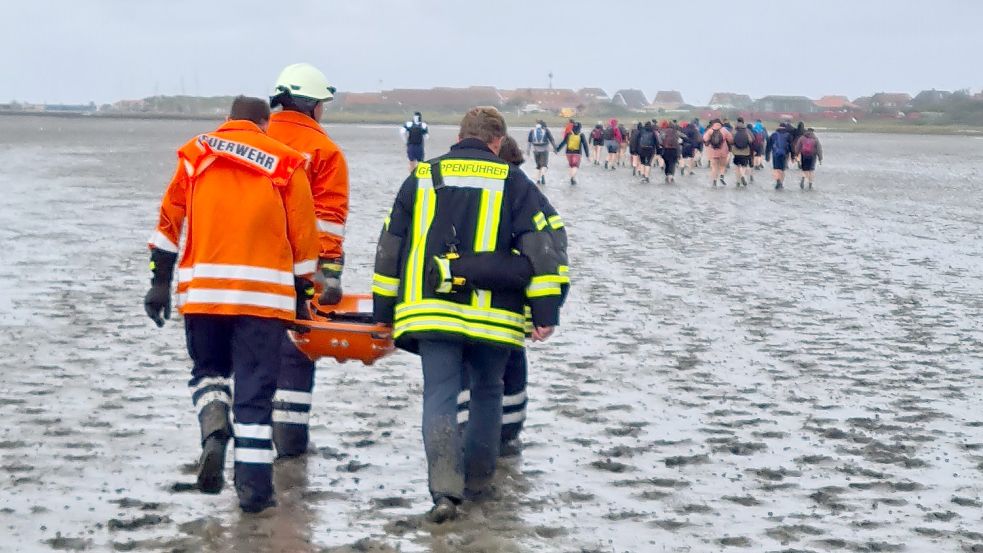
250	250
301	90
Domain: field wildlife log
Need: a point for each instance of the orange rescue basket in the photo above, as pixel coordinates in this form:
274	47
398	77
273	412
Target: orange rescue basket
343	331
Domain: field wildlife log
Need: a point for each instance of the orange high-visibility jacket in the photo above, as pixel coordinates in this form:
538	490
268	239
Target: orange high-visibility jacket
326	169
251	224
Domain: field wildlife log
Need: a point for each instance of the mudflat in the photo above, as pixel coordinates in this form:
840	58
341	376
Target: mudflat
736	369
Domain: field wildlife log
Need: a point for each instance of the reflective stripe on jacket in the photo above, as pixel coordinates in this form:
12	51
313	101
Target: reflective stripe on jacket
482	207
327	171
251	225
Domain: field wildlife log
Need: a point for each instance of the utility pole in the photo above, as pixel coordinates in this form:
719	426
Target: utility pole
551	80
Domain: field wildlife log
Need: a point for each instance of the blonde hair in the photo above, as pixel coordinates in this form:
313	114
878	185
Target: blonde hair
484	123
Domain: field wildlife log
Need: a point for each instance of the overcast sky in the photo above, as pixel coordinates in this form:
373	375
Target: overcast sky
70	51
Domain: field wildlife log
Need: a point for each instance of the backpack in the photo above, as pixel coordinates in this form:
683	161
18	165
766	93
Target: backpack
646	139
759	139
609	133
779	144
670	139
741	139
415	134
716	138
597	134
573	142
807	147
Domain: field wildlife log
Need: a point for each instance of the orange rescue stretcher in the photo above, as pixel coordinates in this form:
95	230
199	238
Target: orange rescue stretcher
343	331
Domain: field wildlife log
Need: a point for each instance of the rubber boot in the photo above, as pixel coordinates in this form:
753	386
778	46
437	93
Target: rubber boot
290	440
215	433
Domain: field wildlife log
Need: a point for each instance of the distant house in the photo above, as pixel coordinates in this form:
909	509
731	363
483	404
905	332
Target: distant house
835	104
443	98
630	98
930	100
356	100
593	96
889	102
548	99
667	100
863	102
785	104
729	100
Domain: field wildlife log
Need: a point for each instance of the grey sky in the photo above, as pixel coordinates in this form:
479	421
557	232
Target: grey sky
106	50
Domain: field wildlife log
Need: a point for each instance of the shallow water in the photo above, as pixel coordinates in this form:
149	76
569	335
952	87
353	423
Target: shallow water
737	369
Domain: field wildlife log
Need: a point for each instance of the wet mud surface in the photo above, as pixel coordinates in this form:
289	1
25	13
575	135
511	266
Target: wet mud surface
736	371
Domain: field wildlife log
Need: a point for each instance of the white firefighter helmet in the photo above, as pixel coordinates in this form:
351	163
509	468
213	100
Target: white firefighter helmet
304	80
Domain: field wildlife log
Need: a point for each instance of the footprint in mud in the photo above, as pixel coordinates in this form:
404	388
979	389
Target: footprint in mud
694	508
130	503
735	541
62	543
576	496
207	528
402	526
611	466
683	460
623	451
746	500
669	524
364	545
626	515
137	523
737	447
352	466
391	503
774	475
829	497
790	533
653	495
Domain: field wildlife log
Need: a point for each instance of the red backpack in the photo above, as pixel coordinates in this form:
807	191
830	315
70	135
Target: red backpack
808	147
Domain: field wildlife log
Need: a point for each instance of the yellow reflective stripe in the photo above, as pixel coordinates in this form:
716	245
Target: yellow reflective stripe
471	168
378	290
383	279
385	286
481	231
481	298
563	269
546	278
500	316
542	293
495	214
332	266
529	327
540	220
385	224
556	223
423	212
542	289
443	324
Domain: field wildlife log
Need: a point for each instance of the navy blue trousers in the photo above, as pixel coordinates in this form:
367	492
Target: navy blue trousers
514	397
292	401
458	463
247	349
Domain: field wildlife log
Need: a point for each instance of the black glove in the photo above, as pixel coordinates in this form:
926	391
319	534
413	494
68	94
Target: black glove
157	302
328	277
305	293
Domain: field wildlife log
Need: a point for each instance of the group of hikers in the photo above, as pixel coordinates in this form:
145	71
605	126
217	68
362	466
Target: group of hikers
672	145
470	263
